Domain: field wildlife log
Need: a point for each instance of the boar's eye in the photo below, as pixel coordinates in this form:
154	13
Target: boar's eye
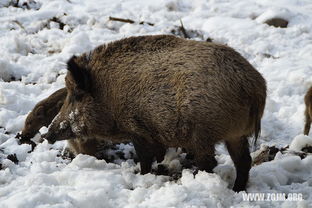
78	97
40	111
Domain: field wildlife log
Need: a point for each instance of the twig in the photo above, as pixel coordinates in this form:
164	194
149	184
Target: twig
183	30
150	24
19	24
129	21
121	20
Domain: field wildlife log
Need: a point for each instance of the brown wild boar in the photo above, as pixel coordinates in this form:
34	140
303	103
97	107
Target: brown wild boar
163	91
43	114
308	111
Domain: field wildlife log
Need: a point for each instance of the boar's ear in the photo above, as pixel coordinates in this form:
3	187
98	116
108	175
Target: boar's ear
79	74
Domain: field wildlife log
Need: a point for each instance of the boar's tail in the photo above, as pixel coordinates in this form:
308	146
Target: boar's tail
256	116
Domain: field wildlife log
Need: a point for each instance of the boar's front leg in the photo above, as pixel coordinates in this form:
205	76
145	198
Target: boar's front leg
239	151
144	155
205	160
146	152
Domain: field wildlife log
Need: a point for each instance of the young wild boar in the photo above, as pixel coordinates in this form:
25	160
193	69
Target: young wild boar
43	114
163	91
308	111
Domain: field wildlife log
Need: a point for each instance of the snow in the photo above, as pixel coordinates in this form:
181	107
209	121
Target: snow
34	50
300	142
63	125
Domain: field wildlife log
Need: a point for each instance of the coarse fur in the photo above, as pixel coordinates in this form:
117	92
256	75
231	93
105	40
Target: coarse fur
89	146
308	111
42	115
163	91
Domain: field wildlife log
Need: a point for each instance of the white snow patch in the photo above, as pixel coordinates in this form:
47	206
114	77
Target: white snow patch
63	124
300	142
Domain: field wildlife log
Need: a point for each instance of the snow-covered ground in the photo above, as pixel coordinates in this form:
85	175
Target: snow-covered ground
38	36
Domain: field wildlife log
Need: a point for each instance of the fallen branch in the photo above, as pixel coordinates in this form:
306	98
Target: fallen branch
121	20
150	24
19	24
129	21
183	30
268	153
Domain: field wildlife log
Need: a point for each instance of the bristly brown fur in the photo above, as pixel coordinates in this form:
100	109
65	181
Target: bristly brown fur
163	91
308	111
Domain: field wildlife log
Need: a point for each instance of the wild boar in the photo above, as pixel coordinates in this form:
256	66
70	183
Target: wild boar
43	114
308	111
162	91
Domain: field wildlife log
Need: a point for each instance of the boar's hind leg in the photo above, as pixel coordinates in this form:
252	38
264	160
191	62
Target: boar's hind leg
307	122
239	151
146	153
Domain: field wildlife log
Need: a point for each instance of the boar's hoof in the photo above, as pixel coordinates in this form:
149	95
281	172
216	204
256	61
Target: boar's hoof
237	188
162	170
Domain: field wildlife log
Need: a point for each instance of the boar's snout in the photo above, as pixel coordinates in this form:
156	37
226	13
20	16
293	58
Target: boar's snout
59	131
26	136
